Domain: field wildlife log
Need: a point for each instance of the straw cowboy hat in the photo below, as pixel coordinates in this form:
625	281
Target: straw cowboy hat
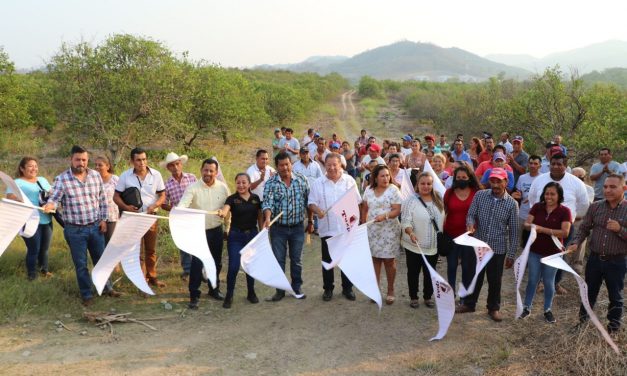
172	157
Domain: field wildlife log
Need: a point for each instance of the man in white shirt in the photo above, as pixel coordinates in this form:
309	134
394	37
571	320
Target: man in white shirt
152	191
308	137
509	148
311	170
260	172
374	152
324	192
406	148
575	196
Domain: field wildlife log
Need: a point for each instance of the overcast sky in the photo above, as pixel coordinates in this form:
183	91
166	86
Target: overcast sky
245	33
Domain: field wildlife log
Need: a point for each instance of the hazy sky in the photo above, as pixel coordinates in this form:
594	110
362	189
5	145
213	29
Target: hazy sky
245	33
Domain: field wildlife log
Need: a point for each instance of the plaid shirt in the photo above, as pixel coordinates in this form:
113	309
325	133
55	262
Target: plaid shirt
495	220
174	190
292	200
83	202
604	241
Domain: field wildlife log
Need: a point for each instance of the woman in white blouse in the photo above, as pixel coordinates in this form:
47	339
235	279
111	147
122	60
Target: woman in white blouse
419	235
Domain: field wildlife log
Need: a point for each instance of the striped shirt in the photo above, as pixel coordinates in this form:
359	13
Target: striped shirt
495	220
604	241
83	203
174	189
292	200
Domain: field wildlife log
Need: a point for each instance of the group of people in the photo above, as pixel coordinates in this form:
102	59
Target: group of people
496	191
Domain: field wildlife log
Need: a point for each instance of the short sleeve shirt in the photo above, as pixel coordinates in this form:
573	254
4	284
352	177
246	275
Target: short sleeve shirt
31	190
244	213
149	188
544	244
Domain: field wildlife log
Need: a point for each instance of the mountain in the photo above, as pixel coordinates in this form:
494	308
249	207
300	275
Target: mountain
616	76
409	60
598	56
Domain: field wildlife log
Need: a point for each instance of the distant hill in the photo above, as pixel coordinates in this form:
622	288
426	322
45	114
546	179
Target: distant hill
599	56
616	76
409	60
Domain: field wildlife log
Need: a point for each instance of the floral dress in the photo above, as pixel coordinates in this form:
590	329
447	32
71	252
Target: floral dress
384	237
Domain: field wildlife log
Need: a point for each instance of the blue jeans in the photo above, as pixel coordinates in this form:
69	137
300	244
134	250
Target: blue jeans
613	273
81	239
536	270
215	237
467	255
37	250
236	241
282	237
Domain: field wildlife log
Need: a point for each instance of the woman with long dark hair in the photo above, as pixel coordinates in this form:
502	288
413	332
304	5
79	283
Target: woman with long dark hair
419	235
35	188
550	218
382	203
457	200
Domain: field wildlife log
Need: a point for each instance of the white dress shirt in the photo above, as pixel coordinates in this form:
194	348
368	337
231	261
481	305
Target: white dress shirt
255	174
575	193
324	193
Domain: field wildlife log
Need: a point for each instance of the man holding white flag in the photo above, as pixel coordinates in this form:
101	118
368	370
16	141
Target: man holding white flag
207	194
334	199
493	218
607	219
81	193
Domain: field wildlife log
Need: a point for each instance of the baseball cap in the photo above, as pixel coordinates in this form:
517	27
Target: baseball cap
550	144
487	135
518	138
375	147
429	137
555	149
498	173
304	150
336	145
277	130
406	137
498	155
316	134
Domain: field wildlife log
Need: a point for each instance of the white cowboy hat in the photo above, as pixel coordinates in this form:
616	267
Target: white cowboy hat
172	157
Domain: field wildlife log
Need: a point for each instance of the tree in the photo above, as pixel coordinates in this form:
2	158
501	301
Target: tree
119	94
369	88
13	108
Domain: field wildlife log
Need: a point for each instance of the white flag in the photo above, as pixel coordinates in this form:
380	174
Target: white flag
187	227
124	246
32	223
13	215
483	252
556	261
351	253
258	261
444	300
519	268
407	189
347	208
437	183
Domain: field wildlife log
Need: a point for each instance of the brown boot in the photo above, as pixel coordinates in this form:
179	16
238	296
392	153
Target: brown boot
495	315
462	308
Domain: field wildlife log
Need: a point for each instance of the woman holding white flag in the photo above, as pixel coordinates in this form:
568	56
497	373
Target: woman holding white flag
419	212
36	189
551	218
382	204
245	209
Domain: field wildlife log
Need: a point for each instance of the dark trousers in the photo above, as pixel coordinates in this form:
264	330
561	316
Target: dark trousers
613	273
328	276
415	264
468	262
494	271
236	241
215	237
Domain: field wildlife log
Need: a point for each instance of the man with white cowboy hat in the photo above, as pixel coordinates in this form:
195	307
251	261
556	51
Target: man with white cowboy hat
174	188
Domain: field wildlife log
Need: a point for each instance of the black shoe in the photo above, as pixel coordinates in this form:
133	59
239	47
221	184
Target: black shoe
227	302
32	276
299	292
216	294
349	294
525	313
327	295
193	303
277	296
548	316
252	298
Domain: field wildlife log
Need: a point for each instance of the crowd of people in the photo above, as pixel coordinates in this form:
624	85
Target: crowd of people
494	190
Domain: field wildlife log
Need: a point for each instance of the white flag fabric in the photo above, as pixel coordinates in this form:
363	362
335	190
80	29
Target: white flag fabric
258	261
13	215
437	183
220	176
558	262
519	268
483	252
347	208
187	227
124	246
444	300
407	189
351	253
32	223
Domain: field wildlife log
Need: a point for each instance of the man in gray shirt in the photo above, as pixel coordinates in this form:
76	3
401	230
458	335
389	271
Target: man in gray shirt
599	171
290	145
